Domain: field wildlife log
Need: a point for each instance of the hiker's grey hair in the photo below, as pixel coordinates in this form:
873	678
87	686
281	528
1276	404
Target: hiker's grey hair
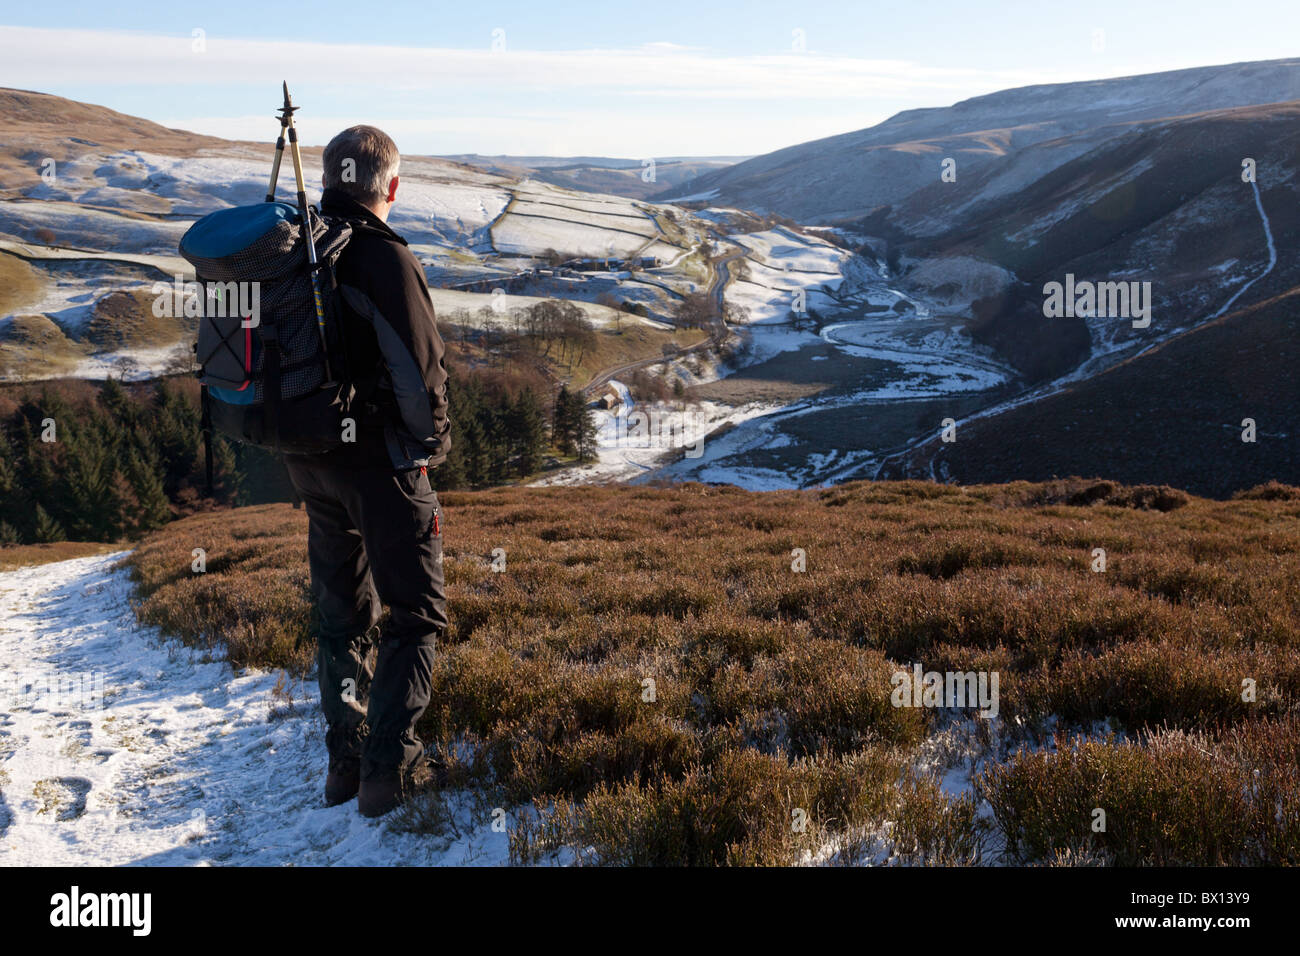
361	161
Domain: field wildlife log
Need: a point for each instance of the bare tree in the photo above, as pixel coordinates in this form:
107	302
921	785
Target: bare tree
696	310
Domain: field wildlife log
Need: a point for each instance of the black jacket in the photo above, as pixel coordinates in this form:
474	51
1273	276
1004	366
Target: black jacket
394	351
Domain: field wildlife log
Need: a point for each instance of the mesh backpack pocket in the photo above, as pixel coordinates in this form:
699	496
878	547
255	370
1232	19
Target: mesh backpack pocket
225	351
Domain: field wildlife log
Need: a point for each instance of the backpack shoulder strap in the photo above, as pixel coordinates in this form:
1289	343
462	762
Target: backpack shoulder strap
205	423
270	382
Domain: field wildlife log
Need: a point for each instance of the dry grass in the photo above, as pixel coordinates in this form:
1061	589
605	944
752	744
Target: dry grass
39	125
1170	798
632	341
29	555
125	320
636	342
34	346
21	286
252	598
651	671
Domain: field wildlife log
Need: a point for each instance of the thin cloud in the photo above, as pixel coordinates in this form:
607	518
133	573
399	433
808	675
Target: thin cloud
63	56
681	100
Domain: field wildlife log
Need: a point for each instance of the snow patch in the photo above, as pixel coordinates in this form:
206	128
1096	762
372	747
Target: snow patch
181	761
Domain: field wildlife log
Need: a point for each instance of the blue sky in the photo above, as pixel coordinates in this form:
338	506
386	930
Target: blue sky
618	79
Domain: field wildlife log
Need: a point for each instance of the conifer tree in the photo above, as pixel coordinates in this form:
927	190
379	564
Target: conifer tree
152	510
451	473
47	530
561	423
528	433
583	427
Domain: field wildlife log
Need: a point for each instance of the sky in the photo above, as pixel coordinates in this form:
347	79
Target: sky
631	78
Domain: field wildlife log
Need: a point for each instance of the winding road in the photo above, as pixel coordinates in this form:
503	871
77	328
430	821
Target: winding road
717	334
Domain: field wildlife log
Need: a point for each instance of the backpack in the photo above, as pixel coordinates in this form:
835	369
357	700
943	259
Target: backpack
271	375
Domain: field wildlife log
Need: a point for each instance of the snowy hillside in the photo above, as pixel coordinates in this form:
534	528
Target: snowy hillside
107	219
846	176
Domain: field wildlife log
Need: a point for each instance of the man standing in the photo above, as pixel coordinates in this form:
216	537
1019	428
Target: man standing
374	523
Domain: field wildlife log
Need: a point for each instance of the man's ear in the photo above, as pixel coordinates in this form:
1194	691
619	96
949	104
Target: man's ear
392	190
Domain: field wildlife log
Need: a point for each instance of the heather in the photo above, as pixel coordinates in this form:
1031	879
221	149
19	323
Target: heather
644	675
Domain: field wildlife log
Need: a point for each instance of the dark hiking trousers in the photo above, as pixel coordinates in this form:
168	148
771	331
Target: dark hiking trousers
373	536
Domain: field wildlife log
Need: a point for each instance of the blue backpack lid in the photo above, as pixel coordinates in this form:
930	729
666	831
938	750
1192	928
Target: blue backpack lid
227	231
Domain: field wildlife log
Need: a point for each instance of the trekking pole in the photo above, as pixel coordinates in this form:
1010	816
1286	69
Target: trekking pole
304	212
279	146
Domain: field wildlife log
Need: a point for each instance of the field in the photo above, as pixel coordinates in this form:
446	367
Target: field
636	342
701	675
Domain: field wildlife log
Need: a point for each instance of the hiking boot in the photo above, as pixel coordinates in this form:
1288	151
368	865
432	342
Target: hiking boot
435	771
385	791
380	794
342	782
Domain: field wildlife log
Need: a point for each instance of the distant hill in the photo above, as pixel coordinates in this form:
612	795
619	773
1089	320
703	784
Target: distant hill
38	125
1112	196
1161	201
847	176
612	176
608	162
34	126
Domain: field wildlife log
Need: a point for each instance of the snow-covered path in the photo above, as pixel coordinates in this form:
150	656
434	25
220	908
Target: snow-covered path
119	747
1272	253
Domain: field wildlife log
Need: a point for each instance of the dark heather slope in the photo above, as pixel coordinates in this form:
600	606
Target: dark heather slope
1170	416
1161	201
